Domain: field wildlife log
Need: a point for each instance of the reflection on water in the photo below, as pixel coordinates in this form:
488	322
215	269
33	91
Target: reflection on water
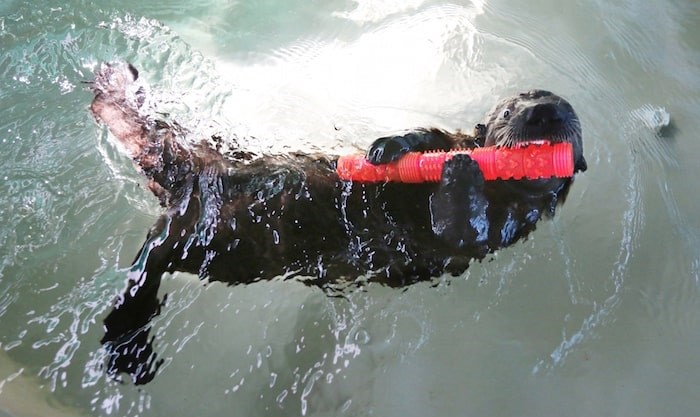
603	299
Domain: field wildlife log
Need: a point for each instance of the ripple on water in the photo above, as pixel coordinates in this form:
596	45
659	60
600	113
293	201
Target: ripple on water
72	220
69	221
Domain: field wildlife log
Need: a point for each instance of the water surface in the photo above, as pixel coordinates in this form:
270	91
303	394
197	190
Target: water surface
597	313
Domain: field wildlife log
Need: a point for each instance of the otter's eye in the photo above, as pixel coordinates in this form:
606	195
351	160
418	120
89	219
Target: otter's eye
506	113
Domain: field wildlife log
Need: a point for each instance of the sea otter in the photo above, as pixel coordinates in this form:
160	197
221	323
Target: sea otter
244	217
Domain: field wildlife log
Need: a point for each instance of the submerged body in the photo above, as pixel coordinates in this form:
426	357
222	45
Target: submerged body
246	218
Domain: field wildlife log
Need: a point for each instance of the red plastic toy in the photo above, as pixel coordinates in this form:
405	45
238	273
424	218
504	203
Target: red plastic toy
533	161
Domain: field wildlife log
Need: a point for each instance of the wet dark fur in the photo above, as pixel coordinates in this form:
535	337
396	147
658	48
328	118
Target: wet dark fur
247	218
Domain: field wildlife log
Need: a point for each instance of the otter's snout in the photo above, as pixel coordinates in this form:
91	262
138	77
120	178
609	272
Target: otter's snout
544	114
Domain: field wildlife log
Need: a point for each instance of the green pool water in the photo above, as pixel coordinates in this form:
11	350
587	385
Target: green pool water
597	313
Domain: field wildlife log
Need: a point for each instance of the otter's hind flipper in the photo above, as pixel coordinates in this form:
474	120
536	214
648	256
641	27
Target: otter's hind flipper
127	326
458	207
139	302
126	339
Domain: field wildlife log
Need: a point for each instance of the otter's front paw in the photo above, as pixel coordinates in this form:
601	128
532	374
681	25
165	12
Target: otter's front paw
391	148
388	149
458	208
463	172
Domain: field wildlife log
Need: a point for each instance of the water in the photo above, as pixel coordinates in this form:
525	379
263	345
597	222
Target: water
595	314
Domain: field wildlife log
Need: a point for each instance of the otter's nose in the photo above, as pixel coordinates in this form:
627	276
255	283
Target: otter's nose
544	115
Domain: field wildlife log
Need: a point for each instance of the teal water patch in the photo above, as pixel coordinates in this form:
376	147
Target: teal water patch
602	300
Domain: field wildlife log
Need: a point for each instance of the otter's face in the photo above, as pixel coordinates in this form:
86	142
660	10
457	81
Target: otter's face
118	97
534	116
118	83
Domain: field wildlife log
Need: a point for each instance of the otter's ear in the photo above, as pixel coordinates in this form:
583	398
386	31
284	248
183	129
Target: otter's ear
580	165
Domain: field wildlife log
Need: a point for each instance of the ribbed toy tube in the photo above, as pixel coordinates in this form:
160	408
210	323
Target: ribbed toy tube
533	161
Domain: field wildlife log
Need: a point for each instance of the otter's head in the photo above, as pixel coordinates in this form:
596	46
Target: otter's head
534	116
118	98
117	82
